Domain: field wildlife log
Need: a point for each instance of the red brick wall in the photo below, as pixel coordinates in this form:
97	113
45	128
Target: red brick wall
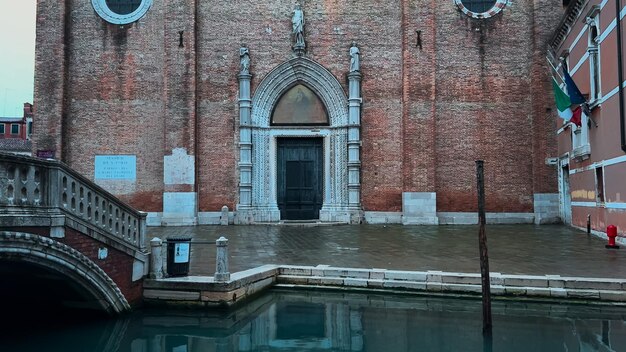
118	265
113	96
427	114
476	89
545	122
491	83
50	74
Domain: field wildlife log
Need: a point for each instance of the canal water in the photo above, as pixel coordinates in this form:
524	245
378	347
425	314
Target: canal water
330	321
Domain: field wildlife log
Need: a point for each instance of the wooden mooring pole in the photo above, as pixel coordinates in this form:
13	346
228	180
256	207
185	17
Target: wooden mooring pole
484	257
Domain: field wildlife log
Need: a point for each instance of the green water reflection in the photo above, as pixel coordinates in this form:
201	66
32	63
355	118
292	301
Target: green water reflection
335	321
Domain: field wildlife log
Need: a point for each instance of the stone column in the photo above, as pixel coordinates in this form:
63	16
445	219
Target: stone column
245	148
156	258
354	146
221	260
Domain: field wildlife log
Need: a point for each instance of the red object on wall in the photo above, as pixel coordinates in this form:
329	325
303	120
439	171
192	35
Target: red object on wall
611	232
577	117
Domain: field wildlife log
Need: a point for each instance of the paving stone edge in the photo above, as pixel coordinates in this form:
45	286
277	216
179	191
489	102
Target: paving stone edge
203	290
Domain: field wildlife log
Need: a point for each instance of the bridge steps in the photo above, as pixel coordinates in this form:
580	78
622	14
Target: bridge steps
54	204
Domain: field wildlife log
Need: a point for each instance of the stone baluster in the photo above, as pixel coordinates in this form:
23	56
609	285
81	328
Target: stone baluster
221	260
142	230
54	187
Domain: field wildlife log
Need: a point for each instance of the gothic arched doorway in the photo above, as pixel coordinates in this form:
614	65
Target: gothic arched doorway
301	106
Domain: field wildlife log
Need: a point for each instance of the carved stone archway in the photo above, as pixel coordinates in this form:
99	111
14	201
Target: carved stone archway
258	201
67	262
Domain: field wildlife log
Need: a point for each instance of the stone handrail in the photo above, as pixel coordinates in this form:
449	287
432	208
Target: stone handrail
33	183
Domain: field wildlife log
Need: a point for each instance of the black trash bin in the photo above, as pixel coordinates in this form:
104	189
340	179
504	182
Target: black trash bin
178	255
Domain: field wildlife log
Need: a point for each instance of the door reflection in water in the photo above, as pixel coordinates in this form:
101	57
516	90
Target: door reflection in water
332	321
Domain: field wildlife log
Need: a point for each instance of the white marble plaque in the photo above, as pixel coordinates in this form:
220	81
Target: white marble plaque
116	167
178	168
181	203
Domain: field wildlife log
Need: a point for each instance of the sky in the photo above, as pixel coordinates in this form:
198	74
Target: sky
17	55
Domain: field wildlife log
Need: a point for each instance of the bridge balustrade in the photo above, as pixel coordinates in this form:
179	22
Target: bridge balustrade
46	185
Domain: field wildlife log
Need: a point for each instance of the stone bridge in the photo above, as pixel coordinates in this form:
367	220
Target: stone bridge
64	234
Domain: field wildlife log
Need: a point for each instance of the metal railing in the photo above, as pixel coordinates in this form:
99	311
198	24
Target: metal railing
158	259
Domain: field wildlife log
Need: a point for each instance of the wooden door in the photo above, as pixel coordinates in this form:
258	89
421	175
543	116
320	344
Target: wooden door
300	178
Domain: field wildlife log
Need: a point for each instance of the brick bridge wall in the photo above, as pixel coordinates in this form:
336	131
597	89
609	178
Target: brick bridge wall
118	265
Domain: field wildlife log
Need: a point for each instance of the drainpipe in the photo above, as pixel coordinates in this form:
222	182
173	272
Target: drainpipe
620	73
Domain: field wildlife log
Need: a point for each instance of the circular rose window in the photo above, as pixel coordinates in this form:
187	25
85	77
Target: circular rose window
481	8
121	11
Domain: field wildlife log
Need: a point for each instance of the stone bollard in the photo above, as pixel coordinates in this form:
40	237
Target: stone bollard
156	258
224	216
221	260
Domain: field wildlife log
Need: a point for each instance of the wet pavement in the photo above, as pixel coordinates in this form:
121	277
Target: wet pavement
513	249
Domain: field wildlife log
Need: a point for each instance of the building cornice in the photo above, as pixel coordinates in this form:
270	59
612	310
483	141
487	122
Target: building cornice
571	15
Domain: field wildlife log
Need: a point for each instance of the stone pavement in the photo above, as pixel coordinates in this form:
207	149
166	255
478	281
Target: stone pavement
513	249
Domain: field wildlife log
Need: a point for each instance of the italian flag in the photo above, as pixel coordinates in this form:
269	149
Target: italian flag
563	102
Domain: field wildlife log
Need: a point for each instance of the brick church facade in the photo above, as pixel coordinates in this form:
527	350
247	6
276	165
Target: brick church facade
181	107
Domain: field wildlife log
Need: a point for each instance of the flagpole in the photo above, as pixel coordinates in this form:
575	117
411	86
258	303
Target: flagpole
555	69
552	58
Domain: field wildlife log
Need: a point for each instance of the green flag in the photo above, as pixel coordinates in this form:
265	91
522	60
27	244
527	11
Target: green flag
563	102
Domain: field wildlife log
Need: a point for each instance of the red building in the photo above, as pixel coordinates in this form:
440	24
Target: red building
15	132
592	157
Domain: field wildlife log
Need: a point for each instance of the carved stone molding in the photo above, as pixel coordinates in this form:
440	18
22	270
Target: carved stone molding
299	70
